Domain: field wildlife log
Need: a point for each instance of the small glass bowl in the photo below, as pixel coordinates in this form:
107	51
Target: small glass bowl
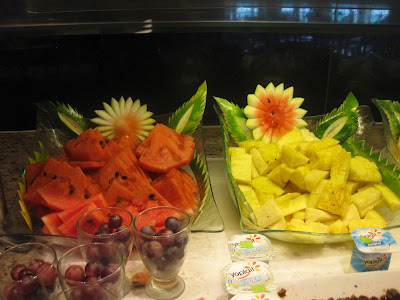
28	271
84	292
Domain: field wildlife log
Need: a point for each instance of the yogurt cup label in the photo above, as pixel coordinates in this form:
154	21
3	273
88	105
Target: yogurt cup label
251	246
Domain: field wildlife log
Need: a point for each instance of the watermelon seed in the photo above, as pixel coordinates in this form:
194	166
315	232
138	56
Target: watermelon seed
89	221
116	174
107	141
272	113
71	191
44	174
124	177
110	181
151	196
87	196
55	177
101	144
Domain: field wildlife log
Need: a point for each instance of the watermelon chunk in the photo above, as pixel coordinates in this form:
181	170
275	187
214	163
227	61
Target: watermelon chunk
69	227
52	221
32	171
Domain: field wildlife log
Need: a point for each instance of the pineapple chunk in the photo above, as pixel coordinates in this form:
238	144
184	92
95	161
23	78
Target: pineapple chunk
335	198
302	147
315	147
301	214
313	199
268	213
292	157
365	210
278	225
322	159
361	169
244	187
318	215
366	197
353	186
259	161
389	198
338	227
291	205
271	155
340	167
297	225
233	149
263	183
351	214
298	176
254	172
280	175
241	167
264	196
313	177
251	198
308	136
291	139
317	227
365	223
247	145
377	217
290	187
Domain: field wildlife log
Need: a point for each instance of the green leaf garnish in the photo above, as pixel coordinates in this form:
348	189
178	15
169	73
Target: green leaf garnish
235	120
341	122
39	156
390	176
390	112
188	117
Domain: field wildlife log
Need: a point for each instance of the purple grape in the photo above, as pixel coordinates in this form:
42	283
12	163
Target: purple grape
104	228
153	249
8	287
75	294
25	272
115	221
173	224
93	269
75	273
15	271
28	284
174	252
93	252
148	230
35	263
123	248
181	239
167	237
14	294
47	274
123	233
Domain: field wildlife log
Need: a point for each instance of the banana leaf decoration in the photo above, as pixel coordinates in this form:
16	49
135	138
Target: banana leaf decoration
340	123
188	117
235	120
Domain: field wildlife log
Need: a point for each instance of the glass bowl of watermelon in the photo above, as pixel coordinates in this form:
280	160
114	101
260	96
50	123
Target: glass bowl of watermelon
299	199
73	171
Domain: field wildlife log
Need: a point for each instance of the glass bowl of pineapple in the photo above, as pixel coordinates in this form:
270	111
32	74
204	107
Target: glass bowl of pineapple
278	194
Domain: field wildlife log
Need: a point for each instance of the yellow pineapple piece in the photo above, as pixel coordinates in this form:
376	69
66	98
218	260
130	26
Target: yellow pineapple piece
263	183
254	172
298	176
319	215
247	145
251	198
302	147
366	223
377	217
308	136
297	225
361	169
292	158
353	186
335	198
241	167
317	227
264	196
290	187
271	155
322	159
318	145
278	225
338	227
340	166
389	198
351	214
244	187
291	205
301	214
366	197
313	178
291	139
313	199
280	175
233	149
258	161
268	213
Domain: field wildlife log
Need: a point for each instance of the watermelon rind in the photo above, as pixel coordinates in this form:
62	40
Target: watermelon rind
341	122
235	120
390	112
189	115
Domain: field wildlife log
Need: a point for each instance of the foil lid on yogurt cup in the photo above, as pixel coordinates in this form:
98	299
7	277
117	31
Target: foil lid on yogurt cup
256	296
251	246
374	240
250	276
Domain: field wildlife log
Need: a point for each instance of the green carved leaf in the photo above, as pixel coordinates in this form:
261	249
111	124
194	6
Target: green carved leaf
390	113
235	120
341	122
188	117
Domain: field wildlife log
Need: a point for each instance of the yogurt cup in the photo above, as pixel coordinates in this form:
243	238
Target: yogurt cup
256	296
251	276
372	250
251	246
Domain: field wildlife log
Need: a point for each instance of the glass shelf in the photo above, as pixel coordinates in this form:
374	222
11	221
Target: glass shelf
134	16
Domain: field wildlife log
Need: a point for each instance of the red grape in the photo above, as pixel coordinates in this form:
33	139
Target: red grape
148	230
174	252
8	287
167	239
93	269
123	233
25	272
109	269
104	228
15	271
35	263
173	224
47	274
14	294
153	249
115	221
75	273
28	284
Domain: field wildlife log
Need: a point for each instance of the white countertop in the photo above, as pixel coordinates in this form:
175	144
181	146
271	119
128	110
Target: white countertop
305	271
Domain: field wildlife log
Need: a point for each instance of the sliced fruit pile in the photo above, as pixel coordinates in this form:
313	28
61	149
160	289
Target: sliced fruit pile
294	179
96	172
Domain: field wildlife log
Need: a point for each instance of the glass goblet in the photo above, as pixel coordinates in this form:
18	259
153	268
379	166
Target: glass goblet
107	225
161	237
82	292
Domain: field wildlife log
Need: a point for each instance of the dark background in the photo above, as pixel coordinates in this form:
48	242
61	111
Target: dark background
163	70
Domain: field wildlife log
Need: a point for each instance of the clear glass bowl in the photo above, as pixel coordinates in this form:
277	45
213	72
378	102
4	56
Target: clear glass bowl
206	219
367	131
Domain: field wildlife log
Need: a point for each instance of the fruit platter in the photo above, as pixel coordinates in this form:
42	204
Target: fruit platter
79	164
308	180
